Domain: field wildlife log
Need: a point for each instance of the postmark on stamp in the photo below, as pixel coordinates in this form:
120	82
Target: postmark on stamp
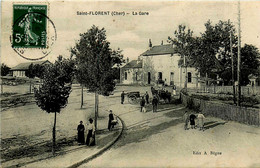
33	32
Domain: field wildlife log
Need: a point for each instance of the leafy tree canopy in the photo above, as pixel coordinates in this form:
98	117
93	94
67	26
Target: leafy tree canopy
210	53
30	73
94	60
4	69
54	92
182	41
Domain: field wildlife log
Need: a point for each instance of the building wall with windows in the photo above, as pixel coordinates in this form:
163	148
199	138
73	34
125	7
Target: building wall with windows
20	69
131	73
19	73
161	69
159	65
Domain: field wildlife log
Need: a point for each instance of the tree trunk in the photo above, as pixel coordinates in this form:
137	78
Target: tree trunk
206	83
2	88
81	96
30	85
96	109
186	78
54	135
197	82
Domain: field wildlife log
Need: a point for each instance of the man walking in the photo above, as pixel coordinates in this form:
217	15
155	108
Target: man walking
122	97
142	103
155	103
147	97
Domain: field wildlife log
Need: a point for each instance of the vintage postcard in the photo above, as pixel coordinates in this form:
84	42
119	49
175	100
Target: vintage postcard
130	83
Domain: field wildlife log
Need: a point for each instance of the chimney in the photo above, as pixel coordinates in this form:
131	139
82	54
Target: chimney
150	44
162	42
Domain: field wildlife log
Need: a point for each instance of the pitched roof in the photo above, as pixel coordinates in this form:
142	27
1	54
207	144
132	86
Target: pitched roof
133	64
25	66
160	50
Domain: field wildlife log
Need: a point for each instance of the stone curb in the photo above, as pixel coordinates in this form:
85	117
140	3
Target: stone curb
102	150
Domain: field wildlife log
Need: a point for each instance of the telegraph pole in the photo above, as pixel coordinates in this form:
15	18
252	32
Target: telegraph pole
239	58
232	62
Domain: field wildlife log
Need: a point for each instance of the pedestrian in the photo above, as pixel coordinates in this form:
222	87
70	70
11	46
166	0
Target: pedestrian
174	90
142	103
155	103
147	97
91	133
81	136
110	119
186	120
192	121
201	118
122	97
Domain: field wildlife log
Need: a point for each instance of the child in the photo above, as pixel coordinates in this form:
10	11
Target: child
192	121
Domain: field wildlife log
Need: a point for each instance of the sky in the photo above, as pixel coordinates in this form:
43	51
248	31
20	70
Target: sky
131	33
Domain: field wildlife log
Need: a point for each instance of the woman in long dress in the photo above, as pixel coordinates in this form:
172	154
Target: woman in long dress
201	118
91	133
81	136
174	90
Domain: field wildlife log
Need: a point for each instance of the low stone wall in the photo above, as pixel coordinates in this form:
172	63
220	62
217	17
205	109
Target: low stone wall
244	115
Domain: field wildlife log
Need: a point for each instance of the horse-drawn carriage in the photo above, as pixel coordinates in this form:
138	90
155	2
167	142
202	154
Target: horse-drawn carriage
133	97
161	94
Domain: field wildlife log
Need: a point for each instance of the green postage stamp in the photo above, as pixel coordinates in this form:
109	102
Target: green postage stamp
29	26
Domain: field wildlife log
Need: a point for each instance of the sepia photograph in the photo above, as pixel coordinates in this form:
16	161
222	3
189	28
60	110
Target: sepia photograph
136	84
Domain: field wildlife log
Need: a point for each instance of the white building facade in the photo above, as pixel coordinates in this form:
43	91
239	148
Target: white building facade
160	65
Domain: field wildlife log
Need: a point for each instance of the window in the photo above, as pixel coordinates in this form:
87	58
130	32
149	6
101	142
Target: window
189	77
125	75
159	75
171	76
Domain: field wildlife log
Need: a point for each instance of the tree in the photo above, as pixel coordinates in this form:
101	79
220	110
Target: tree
183	42
118	60
250	56
54	92
4	69
216	48
216	44
39	70
94	63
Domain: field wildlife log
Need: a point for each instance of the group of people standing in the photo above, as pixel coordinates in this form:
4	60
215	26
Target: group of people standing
145	100
90	140
191	118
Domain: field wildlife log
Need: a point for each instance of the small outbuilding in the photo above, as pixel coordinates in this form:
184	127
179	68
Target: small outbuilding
20	69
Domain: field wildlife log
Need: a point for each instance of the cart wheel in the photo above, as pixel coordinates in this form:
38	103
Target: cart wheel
136	100
132	99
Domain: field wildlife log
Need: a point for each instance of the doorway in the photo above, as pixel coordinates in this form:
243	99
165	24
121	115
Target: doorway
149	78
172	78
